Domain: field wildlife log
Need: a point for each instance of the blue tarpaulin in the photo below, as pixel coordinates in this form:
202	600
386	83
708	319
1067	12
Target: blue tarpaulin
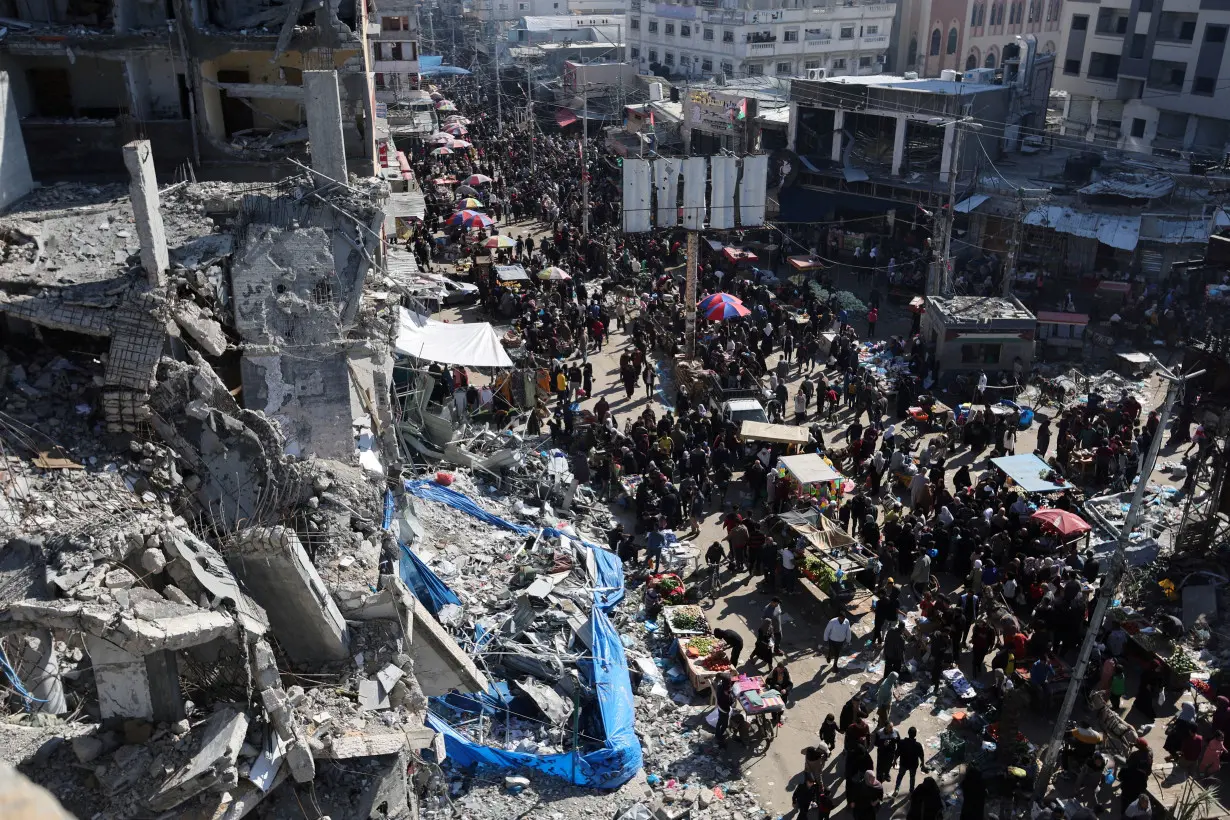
606	768
620	756
425	584
433	66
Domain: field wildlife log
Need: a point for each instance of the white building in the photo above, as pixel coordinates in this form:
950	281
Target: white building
1146	76
742	40
505	11
393	37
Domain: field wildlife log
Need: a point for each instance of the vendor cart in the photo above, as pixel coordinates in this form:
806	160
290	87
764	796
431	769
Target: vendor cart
697	654
758	709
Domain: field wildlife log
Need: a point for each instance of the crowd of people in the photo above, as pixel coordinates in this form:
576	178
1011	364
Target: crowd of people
963	579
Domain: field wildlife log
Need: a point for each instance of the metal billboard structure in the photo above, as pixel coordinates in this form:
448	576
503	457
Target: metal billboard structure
720	192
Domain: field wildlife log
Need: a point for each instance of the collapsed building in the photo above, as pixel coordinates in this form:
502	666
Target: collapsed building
197	587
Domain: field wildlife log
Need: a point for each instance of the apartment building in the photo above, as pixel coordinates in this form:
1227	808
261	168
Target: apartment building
506	11
742	39
1147	75
217	84
937	35
393	36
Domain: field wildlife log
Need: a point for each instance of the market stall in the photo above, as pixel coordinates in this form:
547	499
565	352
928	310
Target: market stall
739	256
1061	335
1031	474
512	276
834	568
774	433
805	264
813	475
704	657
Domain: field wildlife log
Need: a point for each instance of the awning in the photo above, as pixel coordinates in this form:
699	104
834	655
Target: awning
1117	231
511	273
411	205
806	262
1046	317
967	205
470	345
564	117
809	468
1027	472
778	433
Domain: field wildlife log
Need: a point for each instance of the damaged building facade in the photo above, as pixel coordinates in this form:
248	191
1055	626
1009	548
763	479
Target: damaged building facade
218	85
193	559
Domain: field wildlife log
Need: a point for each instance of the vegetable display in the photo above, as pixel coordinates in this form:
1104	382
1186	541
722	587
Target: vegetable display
688	618
1180	662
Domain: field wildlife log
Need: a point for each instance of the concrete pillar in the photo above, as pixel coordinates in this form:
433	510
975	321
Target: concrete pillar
143	189
39	655
323	103
1091	133
792	128
15	179
899	145
131	686
950	145
1189	133
280	577
839	122
1067	108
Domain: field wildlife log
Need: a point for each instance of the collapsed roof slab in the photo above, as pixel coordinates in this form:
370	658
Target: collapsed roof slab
150	626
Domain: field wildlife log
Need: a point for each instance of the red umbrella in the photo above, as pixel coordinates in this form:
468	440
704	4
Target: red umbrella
1061	521
725	310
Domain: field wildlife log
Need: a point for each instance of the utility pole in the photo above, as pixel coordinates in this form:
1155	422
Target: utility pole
1109	585
940	282
529	113
1014	245
499	97
689	297
585	161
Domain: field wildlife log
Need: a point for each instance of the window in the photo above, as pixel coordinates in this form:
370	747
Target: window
728	69
997	14
980	354
706	65
670	58
1080	22
784	69
791	36
1204	85
1136	49
1103	66
653	26
952	41
379	80
935	43
1145	6
635	25
989	62
1187	31
670	29
870	30
1215	34
653	55
839	63
636	52
728	36
971	62
685	30
811	64
847	32
755	71
973	16
1072	67
864	62
709	34
1138	127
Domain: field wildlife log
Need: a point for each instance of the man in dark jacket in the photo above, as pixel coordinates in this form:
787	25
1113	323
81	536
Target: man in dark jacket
894	648
909	758
734	641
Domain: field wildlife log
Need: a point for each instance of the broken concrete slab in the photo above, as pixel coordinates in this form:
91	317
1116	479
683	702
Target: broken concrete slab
147	627
362	744
275	567
198	567
135	686
204	330
211	765
439	663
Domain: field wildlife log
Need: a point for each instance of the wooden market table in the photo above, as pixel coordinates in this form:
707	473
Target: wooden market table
700	677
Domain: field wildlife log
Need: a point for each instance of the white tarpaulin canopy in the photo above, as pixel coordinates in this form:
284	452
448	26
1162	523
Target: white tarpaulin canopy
1118	231
470	345
809	468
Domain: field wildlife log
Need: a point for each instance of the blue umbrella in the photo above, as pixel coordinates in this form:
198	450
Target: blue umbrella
725	310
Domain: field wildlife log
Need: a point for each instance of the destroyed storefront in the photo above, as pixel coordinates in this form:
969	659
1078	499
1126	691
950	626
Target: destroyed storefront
194	580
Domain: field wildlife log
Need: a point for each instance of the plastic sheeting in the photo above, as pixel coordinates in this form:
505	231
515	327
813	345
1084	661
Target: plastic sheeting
469	345
620	757
426	585
1117	231
666	189
609	767
694	169
753	190
722	194
432	65
636	187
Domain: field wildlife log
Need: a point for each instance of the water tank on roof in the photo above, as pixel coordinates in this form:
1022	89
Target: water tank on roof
979	76
911	75
655	92
948	75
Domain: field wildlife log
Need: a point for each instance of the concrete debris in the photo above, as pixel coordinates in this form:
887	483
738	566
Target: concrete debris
193	570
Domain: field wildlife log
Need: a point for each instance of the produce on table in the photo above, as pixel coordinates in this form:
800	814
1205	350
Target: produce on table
689	618
718	661
1203	687
703	646
1180	662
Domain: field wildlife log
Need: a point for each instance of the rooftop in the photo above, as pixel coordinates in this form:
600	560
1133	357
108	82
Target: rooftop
922	84
979	308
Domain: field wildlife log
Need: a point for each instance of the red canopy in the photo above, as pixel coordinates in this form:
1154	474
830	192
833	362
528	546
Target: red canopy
1061	521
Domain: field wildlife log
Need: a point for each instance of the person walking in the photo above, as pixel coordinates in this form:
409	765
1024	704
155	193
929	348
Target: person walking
886	741
873	316
836	635
650	377
909	757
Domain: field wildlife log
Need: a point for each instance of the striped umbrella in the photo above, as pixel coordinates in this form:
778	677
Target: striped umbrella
439	138
553	274
462	144
471	219
725	310
457	118
500	241
456	129
445	105
441	151
437	96
469	203
710	301
476	180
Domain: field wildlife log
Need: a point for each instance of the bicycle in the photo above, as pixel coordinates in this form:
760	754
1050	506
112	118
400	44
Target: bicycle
712	581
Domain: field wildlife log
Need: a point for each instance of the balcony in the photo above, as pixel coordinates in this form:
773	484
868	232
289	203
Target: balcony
761	49
875	39
395	66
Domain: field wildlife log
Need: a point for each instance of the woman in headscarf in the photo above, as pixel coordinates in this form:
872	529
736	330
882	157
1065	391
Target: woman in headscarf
946	516
1221	717
1180	729
884	696
926	803
764	643
1151	682
865	796
974	794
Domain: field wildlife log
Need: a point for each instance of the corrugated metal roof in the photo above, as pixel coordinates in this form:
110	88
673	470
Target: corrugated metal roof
1117	231
410	205
1175	230
967	205
1131	186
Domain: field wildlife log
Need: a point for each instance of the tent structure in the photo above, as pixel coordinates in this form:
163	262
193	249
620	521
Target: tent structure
809	468
1028	472
469	345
